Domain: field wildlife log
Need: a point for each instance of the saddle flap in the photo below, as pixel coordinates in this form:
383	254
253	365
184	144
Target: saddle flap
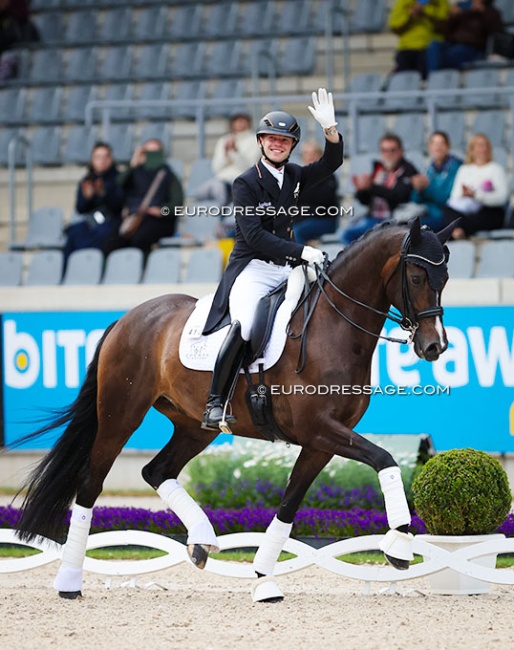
264	318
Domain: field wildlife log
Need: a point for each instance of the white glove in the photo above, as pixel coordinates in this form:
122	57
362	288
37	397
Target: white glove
312	255
323	111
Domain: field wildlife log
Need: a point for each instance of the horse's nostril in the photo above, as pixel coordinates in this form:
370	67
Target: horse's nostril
432	351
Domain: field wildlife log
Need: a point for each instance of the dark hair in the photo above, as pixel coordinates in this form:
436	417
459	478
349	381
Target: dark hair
389	135
99	144
443	135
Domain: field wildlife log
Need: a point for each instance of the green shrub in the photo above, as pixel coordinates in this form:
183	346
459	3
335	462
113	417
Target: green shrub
462	492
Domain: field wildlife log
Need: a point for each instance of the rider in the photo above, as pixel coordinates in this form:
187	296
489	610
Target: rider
265	250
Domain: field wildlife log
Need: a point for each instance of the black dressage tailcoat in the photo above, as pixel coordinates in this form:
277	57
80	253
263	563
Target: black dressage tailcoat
264	225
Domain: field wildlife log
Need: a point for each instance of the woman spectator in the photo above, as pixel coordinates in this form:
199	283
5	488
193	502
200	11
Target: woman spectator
432	190
98	204
480	191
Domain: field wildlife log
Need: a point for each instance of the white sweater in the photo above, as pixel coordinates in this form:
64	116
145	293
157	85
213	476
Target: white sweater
475	176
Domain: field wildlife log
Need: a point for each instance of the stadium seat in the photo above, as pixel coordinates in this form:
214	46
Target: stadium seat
163	266
117	64
6	136
45	106
177	166
46	145
197	227
294	18
154	91
204	265
12	105
220	21
230	90
123	92
370	128
185	22
46	67
403	81
81	28
186	90
45	268
75	102
81	65
116	26
369	16
496	260
50	27
410	127
200	172
79	142
482	78
358	164
368	82
298	56
223	59
188	61
461	263
121	139
444	80
84	267
11	264
152	62
257	19
124	266
45	229
151	24
492	124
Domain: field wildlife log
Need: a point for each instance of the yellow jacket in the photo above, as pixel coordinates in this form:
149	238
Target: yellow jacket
415	33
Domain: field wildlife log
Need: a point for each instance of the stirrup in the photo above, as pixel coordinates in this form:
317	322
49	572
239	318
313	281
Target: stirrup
219	421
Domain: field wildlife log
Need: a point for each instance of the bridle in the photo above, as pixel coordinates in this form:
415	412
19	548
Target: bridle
408	319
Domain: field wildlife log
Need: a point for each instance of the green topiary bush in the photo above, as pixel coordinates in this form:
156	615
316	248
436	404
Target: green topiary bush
462	492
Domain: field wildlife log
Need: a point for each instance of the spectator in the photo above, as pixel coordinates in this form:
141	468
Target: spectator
158	218
316	200
432	189
233	154
466	33
15	25
480	191
417	23
98	204
388	185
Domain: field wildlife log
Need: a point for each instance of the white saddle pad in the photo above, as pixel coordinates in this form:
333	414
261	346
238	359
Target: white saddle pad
198	352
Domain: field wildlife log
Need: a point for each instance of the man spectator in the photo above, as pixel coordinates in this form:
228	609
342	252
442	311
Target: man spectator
385	188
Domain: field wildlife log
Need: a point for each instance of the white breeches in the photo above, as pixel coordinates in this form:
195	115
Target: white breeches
256	280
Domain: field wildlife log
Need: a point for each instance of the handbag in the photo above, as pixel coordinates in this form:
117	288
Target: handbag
131	222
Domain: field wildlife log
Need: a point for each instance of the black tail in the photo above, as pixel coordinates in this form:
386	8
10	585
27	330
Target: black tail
52	486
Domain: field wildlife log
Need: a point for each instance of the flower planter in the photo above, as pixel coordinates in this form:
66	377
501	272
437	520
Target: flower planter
450	582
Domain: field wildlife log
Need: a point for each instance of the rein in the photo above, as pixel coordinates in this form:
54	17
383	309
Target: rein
408	321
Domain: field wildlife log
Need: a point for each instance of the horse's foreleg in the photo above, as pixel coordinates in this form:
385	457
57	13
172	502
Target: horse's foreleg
307	467
161	473
342	441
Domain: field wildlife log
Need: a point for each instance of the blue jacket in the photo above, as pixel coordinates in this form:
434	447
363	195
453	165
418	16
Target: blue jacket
437	193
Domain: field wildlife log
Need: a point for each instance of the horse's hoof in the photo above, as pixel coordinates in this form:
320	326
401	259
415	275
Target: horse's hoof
198	554
266	590
401	565
70	595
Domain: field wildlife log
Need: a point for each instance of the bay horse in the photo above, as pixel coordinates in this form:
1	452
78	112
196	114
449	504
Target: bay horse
136	366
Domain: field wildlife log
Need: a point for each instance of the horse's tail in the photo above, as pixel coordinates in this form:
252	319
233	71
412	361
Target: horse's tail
53	484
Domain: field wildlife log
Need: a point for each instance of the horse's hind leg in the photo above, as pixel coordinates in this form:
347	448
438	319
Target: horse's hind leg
161	473
307	467
108	444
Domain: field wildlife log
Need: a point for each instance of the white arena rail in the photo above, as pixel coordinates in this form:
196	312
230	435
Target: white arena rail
435	559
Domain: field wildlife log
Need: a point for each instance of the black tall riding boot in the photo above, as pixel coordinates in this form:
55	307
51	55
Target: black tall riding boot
228	364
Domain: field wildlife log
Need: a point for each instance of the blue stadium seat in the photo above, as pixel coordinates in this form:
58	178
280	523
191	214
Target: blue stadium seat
403	81
124	266
492	124
370	129
46	67
45	106
116	26
444	80
151	24
221	20
154	91
204	265
117	63
410	127
187	90
46	145
77	97
185	22
454	125
12	105
369	16
152	62
11	265
298	56
84	266
257	19
79	142
81	65
45	268
81	28
163	266
188	61
482	78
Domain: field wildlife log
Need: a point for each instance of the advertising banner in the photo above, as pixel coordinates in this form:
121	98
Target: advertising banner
466	398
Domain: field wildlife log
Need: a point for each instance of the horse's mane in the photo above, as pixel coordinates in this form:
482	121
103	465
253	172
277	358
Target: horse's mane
353	249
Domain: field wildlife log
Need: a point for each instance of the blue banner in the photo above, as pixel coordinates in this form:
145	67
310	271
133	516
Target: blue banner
466	398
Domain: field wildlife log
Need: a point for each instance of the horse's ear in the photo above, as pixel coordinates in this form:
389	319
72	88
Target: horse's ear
444	235
415	232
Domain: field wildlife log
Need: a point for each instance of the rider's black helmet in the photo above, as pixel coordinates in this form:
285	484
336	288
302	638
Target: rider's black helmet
279	123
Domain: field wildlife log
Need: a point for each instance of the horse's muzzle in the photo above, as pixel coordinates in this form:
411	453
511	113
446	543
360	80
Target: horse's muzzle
432	351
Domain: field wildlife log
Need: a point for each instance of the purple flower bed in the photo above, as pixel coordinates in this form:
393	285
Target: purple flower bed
308	522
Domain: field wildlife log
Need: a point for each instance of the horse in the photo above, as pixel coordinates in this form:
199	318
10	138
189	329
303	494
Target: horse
136	366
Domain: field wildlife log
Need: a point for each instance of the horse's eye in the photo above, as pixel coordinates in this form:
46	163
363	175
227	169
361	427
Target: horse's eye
416	279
